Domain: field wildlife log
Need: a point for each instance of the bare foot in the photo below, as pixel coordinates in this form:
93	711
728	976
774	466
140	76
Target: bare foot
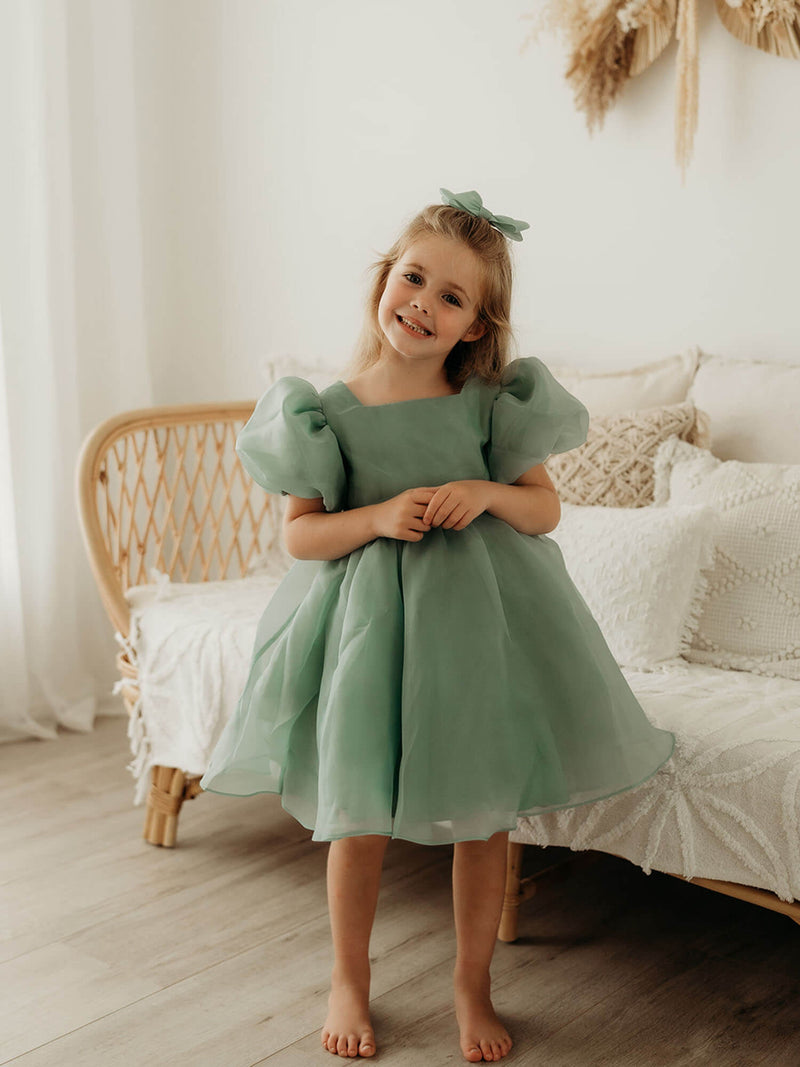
348	1029
483	1036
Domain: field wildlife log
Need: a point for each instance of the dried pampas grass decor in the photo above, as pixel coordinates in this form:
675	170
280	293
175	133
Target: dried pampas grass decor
613	40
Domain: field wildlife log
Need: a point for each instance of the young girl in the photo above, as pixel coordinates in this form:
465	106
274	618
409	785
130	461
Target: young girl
427	669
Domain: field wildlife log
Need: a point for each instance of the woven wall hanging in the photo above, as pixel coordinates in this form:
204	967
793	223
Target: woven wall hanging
611	41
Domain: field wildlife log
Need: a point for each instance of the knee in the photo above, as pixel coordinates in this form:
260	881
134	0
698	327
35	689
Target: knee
361	843
497	840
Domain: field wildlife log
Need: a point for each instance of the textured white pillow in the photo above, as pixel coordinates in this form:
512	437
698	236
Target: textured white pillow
750	618
649	385
753	408
640	571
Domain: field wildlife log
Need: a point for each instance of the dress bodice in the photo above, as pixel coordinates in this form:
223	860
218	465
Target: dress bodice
387	448
351	454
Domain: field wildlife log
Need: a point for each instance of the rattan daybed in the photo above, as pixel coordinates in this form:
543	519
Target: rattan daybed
163	488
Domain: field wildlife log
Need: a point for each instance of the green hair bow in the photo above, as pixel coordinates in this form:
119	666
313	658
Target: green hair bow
472	203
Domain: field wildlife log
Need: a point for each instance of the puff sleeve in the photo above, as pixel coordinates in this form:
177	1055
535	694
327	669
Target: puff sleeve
287	445
532	416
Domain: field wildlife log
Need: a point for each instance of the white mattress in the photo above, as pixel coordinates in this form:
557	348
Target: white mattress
727	805
191	643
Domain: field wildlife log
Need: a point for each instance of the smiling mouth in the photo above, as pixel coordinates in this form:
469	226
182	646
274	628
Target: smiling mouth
413	326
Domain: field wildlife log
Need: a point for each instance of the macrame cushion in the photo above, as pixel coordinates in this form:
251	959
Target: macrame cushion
614	467
749	618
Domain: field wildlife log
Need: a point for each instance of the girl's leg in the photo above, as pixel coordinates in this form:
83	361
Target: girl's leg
354	876
479	877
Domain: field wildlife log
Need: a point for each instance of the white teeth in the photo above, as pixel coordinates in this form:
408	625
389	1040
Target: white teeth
413	327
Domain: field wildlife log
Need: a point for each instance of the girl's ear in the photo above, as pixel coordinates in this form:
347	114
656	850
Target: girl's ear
476	330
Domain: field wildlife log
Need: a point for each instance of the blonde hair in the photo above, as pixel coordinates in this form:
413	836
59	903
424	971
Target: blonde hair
488	354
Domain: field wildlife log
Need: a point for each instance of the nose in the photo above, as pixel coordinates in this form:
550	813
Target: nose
420	303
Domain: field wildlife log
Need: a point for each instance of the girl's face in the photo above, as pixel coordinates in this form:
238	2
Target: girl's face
431	300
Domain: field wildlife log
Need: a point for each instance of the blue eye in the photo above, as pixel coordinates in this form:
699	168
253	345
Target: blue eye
451	298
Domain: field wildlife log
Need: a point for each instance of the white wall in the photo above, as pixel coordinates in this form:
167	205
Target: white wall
283	144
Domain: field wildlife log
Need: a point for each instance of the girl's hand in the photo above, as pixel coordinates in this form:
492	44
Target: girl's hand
455	504
401	516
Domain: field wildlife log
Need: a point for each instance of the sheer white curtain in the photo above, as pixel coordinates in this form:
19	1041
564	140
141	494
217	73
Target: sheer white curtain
72	340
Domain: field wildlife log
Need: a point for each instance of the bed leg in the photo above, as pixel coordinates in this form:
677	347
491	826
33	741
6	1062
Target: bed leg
169	787
509	918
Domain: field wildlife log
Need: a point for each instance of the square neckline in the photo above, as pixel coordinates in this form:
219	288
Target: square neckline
413	400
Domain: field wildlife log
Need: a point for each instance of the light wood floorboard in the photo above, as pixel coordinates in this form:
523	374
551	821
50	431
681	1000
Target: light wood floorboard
217	953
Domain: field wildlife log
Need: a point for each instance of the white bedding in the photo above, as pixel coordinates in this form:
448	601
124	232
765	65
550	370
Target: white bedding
727	805
181	635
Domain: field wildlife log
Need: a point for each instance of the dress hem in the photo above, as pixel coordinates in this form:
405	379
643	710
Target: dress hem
400	837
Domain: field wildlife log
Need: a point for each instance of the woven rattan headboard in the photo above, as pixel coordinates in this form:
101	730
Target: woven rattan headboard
163	487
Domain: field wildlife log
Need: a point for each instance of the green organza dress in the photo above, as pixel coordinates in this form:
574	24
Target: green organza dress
430	690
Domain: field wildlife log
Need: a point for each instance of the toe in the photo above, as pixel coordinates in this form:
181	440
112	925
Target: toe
341	1045
352	1045
367	1045
474	1054
497	1052
486	1049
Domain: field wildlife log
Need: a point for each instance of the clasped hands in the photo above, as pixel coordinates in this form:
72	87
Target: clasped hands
413	512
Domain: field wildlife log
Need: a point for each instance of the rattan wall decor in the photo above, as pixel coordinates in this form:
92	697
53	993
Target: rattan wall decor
611	41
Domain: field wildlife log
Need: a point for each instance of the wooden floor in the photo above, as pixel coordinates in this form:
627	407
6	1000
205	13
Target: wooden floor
217	953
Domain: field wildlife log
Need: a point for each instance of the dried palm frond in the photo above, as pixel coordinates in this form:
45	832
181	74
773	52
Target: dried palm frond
653	21
771	25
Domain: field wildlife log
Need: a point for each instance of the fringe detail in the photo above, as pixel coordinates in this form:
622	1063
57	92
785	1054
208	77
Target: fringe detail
662	466
129	649
708	552
140	745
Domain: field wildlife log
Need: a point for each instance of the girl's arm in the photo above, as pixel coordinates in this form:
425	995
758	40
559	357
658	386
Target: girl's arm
531	504
311	532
